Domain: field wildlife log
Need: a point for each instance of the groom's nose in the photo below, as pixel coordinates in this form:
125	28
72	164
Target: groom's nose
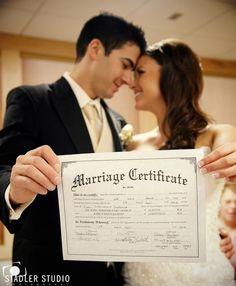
128	77
132	80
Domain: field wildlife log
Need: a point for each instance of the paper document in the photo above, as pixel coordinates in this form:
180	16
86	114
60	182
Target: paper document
133	206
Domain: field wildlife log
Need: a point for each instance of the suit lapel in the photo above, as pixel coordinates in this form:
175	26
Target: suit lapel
68	109
114	131
70	113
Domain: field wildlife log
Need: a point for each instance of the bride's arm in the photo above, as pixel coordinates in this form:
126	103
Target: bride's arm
221	162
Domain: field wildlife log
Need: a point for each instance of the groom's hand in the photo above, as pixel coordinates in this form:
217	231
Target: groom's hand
36	172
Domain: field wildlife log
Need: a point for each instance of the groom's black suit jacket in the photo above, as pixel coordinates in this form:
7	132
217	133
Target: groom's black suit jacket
38	115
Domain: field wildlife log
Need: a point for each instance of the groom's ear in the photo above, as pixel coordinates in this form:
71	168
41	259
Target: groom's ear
95	49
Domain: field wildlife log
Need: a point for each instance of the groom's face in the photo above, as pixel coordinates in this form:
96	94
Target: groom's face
114	70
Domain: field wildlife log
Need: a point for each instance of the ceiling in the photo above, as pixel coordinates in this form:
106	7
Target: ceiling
208	26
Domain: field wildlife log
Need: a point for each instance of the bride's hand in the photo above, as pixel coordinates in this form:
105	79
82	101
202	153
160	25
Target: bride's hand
221	162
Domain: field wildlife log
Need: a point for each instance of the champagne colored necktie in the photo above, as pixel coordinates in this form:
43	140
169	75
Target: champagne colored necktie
92	114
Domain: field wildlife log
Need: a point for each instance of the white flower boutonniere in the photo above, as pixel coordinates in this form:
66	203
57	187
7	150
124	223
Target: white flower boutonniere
126	134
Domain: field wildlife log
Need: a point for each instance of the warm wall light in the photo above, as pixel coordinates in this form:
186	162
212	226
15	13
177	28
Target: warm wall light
1	233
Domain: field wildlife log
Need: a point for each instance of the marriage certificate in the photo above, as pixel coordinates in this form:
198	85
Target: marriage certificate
133	206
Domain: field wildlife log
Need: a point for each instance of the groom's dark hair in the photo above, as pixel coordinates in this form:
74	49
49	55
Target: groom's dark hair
113	32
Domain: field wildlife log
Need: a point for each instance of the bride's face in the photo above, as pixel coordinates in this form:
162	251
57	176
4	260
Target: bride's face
146	86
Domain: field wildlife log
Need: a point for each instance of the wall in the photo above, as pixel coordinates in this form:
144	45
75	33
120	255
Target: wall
219	98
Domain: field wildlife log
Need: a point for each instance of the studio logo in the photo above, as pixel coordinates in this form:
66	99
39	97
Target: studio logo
15	270
17	273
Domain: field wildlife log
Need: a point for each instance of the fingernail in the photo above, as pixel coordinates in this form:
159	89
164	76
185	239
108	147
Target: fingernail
203	171
200	164
215	175
57	180
57	167
51	187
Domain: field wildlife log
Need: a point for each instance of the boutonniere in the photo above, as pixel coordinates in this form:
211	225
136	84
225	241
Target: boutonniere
126	135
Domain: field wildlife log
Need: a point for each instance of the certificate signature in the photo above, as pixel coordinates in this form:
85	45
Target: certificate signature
133	206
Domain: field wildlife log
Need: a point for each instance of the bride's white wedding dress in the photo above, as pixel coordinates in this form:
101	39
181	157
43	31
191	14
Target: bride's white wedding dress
216	271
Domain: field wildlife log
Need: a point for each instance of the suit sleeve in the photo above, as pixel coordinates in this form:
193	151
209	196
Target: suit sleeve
18	136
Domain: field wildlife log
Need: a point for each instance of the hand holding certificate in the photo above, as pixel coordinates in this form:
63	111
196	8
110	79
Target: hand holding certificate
132	206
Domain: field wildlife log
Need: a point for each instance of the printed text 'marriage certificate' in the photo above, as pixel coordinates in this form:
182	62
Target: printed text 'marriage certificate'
133	206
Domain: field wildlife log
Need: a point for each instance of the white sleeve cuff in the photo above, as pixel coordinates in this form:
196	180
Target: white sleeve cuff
15	214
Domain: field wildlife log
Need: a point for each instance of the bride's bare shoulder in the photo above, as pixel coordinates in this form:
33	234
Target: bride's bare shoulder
215	135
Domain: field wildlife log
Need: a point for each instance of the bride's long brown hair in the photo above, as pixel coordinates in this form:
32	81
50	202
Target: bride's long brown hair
181	85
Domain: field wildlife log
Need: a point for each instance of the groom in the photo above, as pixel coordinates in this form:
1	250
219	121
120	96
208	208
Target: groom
45	120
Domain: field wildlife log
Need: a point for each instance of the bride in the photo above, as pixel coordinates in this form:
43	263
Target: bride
168	83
